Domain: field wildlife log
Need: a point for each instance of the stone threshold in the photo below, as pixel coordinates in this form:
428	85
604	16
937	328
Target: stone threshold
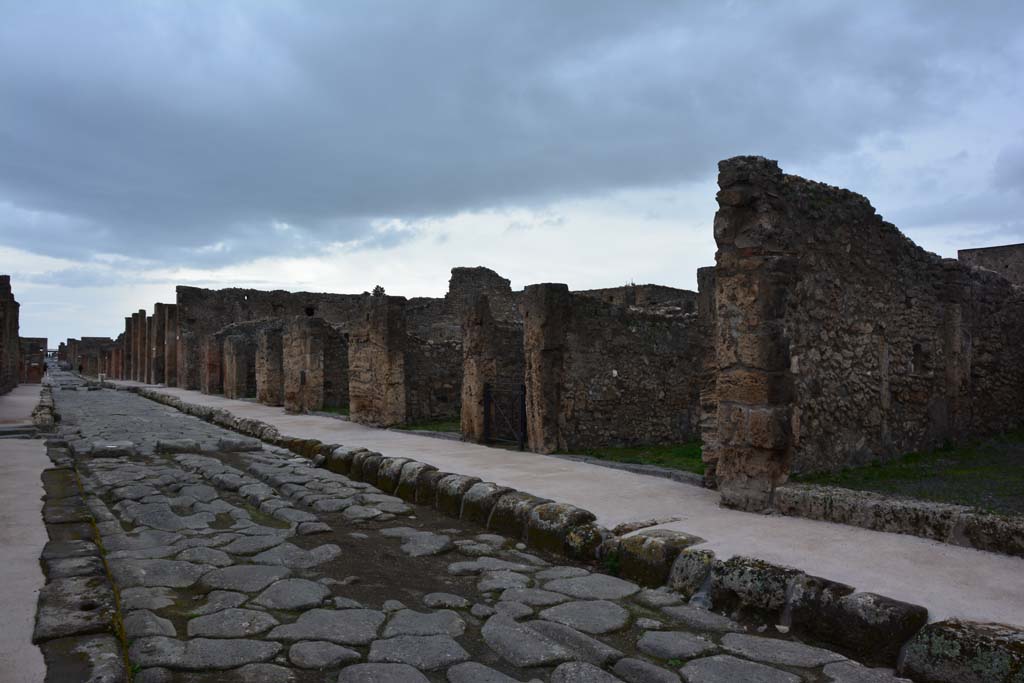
954	524
872	628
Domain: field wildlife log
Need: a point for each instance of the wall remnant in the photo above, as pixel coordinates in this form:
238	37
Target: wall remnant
839	341
170	316
314	365
601	374
31	359
9	344
1007	260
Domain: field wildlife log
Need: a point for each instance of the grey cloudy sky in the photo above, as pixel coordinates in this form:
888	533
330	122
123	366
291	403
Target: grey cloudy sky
334	146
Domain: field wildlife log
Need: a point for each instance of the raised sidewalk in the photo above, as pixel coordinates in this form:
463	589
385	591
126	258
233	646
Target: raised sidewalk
22	537
950	581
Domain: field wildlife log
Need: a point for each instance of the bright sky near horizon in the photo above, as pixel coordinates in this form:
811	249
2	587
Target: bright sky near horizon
319	146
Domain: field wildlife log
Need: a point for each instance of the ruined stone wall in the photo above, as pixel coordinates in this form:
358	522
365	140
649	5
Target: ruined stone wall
707	320
202	312
376	363
213	364
239	358
9	344
667	299
87	354
270	367
170	345
31	359
397	375
157	342
492	354
467	285
138	344
599	374
1007	260
315	365
127	342
840	341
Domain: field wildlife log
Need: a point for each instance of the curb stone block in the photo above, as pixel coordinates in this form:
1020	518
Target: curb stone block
584	542
340	460
871	626
511	513
389	473
992	532
371	465
548	525
409	478
647	557
426	486
955	651
690	570
450	490
479	500
355	470
751	583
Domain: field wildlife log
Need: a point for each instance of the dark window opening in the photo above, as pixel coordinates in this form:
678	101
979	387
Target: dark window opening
920	360
310	311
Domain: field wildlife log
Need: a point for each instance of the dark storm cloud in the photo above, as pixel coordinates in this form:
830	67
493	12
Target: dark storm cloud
188	130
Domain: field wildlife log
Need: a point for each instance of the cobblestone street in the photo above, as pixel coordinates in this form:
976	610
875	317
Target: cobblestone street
234	561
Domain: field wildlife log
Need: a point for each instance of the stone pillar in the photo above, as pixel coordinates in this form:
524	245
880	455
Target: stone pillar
140	346
212	380
707	317
546	308
148	371
158	343
171	345
270	368
752	278
376	363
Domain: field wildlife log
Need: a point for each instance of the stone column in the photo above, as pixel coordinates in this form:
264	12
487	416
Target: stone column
546	309
171	345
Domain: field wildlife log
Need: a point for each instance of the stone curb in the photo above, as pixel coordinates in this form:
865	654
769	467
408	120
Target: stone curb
868	626
77	623
44	415
953	524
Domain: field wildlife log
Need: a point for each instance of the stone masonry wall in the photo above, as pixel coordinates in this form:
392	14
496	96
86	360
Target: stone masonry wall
170	344
840	341
1007	260
158	352
202	312
270	367
645	296
9	346
31	360
127	353
492	354
376	363
239	359
315	365
599	374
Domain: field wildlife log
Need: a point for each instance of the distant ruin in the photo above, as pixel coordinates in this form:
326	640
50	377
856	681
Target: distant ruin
821	338
9	339
31	359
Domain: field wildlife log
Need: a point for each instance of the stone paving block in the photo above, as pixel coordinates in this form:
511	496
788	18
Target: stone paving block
589	616
318	654
581	672
520	645
231	623
728	669
344	627
381	673
775	651
200	654
426	653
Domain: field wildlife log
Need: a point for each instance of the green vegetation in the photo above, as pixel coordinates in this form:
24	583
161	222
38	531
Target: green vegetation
448	425
683	456
987	475
337	410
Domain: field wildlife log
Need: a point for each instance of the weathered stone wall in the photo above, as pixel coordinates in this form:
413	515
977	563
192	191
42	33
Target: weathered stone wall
376	363
707	318
492	354
9	344
127	342
239	358
87	354
270	366
170	345
467	285
600	374
138	345
315	365
840	341
157	342
659	297
202	312
397	376
31	359
1007	260
213	365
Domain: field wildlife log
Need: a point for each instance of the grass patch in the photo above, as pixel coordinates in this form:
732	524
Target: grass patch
445	425
987	475
682	456
336	410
